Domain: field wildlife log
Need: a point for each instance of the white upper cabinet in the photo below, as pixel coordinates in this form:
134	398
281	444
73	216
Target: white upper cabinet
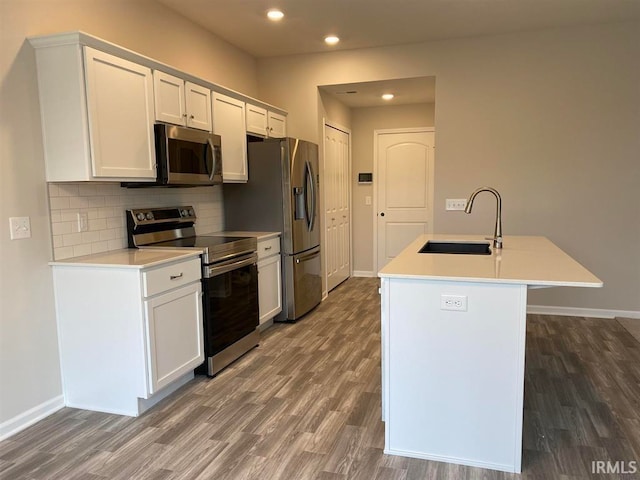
96	112
120	112
229	123
99	103
265	123
180	102
257	120
277	125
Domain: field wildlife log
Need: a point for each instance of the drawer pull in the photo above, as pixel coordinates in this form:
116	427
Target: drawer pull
268	248
175	277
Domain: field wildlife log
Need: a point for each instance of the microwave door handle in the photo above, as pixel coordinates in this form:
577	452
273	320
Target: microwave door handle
213	159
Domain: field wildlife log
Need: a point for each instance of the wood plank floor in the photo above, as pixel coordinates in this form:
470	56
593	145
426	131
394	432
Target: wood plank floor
306	405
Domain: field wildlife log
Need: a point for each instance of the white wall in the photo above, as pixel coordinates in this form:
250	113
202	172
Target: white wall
549	118
29	366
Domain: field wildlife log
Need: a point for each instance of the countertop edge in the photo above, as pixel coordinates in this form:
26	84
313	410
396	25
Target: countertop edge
86	261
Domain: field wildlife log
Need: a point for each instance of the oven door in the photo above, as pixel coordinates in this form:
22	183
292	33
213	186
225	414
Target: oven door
230	300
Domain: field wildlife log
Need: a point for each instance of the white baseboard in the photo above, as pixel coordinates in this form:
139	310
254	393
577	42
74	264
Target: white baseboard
582	312
363	273
31	416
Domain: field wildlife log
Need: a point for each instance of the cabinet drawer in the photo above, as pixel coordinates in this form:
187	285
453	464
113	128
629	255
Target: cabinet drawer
175	275
268	247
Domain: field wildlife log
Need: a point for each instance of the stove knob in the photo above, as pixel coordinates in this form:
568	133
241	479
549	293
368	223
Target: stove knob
149	216
140	216
192	213
183	213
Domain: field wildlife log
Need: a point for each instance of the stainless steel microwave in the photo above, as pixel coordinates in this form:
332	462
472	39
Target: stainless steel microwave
185	157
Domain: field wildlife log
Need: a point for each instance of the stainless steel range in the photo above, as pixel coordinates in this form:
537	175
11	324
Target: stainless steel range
229	278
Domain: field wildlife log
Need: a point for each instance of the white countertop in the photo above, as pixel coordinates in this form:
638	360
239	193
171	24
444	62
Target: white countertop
127	258
522	260
236	233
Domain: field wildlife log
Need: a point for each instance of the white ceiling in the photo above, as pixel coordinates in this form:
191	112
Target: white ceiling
371	23
374	23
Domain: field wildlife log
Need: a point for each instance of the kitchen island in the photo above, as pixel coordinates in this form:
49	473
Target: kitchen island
453	347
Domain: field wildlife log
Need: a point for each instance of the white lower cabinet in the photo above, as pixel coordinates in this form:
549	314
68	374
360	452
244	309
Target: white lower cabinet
174	339
128	337
269	279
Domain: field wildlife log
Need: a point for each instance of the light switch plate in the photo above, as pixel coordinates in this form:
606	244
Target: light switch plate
19	227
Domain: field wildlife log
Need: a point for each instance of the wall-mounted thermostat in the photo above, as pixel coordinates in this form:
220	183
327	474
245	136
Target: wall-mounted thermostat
365	178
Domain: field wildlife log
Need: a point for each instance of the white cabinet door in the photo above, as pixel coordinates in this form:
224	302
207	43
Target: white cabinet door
120	109
175	341
277	125
229	123
198	102
257	120
269	287
181	103
169	100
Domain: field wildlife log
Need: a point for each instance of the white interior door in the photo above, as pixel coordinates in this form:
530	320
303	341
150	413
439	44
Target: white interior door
337	213
404	189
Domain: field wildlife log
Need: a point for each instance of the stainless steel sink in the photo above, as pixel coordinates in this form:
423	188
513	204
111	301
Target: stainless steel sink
460	248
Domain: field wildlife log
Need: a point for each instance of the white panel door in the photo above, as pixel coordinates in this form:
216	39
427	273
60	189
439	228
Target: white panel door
121	117
404	184
336	206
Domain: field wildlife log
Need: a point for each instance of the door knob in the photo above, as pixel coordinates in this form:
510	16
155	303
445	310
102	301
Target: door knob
382	214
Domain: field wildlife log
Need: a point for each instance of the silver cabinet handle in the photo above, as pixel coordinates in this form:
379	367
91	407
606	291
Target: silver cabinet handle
175	277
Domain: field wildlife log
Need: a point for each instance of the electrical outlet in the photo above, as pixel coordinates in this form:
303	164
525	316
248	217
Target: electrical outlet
83	222
456	203
19	227
453	302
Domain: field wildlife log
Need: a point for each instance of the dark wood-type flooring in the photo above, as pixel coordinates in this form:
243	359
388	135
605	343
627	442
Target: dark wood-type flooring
306	405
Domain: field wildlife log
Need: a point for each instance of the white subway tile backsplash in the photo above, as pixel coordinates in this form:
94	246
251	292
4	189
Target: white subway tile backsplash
72	239
87	189
58	203
61	228
62	253
78	202
68	189
99	247
83	249
97	223
89	237
105	206
107	234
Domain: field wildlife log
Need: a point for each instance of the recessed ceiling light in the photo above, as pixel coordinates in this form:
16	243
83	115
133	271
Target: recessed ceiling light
275	14
387	96
331	39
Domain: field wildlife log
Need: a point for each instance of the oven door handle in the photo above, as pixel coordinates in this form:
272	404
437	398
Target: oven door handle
215	270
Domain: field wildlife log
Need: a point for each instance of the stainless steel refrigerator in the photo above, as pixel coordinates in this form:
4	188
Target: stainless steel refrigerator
282	195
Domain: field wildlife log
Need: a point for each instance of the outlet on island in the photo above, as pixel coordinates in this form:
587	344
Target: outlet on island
453	302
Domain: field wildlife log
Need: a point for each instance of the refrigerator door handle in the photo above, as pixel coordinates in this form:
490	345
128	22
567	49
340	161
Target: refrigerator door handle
311	215
309	256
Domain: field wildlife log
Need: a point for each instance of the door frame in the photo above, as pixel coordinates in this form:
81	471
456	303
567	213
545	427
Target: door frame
328	123
376	180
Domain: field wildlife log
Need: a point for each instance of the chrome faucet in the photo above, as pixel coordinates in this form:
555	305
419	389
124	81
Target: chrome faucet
497	233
